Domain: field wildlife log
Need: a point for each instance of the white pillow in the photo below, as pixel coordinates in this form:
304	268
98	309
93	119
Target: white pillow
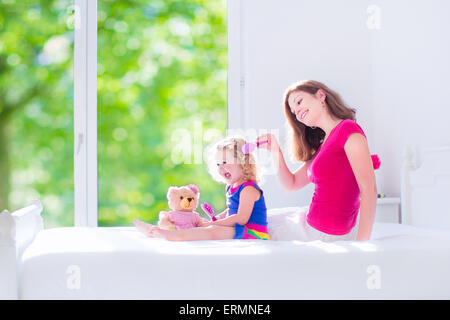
286	223
7	232
17	231
28	223
20	227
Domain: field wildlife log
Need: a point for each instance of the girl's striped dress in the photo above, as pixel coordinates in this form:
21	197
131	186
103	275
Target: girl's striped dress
256	227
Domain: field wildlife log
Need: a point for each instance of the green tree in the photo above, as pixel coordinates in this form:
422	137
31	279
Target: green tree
36	112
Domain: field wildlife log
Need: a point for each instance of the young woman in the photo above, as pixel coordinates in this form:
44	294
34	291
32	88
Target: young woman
336	159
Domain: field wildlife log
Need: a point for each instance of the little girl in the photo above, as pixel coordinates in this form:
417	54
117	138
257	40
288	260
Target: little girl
246	213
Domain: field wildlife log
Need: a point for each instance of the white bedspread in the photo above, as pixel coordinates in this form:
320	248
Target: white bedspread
401	262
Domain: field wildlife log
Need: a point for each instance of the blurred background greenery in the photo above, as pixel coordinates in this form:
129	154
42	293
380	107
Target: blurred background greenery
162	84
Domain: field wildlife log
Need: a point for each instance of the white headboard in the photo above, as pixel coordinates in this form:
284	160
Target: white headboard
17	231
425	188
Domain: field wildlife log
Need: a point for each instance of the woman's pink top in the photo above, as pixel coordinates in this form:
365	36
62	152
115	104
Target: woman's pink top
335	203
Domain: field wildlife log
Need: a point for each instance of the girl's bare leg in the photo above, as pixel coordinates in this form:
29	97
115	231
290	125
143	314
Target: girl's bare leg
199	233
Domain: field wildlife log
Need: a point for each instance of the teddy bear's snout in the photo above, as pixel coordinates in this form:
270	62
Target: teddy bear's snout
187	202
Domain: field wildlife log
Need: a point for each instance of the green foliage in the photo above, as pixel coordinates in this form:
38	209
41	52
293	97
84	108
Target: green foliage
36	105
161	70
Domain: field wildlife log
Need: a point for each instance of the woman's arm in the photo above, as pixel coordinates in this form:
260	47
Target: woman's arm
289	181
247	200
358	154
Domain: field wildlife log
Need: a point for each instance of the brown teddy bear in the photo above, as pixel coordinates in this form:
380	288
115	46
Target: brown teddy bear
183	201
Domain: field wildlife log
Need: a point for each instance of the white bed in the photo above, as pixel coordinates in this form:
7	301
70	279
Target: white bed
119	263
399	262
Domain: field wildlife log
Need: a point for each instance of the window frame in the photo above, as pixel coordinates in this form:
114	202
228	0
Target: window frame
236	99
85	114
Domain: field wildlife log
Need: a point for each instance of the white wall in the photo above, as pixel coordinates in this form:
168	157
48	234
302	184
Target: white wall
397	76
411	81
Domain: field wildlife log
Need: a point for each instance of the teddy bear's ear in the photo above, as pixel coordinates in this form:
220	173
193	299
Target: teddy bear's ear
193	187
171	191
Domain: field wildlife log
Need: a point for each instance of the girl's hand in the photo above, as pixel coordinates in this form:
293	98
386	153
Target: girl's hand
205	224
222	215
272	143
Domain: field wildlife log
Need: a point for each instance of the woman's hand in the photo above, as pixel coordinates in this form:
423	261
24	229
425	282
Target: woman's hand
288	180
272	143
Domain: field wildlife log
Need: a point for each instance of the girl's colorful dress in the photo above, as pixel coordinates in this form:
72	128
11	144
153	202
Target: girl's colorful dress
256	227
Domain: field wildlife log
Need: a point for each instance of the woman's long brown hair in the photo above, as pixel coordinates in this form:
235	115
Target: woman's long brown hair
306	140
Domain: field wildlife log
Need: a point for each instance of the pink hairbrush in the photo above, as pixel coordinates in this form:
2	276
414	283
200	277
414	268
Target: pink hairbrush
249	147
208	210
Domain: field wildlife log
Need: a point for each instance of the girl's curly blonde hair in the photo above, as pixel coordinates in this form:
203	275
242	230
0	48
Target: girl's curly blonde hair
234	144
